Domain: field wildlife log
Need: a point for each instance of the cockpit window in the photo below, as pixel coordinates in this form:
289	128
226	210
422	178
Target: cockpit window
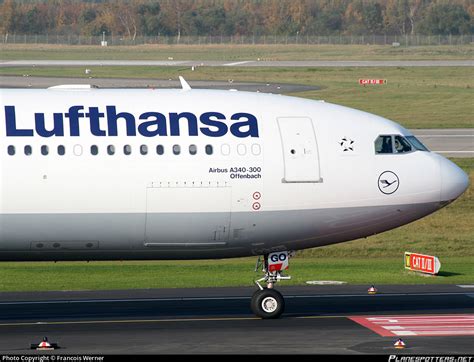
401	145
383	144
393	144
415	142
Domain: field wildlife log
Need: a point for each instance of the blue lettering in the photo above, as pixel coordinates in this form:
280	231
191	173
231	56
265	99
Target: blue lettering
206	119
174	123
10	121
74	116
58	128
251	125
94	117
112	118
150	124
159	123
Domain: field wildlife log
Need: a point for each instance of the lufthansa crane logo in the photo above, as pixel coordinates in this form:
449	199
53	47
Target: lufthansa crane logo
388	182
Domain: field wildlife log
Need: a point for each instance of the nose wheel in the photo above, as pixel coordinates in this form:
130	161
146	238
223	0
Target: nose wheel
268	303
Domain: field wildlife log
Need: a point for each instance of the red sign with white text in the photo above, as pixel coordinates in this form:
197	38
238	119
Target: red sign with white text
372	81
422	263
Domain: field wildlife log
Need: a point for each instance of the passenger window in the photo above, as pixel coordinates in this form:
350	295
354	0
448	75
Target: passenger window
241	149
44	150
256	149
77	150
402	145
111	150
176	149
192	149
11	150
225	149
160	149
127	149
94	150
61	150
383	144
28	150
209	150
144	149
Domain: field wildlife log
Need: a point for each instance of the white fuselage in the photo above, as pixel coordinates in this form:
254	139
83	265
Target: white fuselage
200	174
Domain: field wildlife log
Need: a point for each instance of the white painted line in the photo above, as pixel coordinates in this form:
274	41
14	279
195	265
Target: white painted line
238	63
404	333
466	286
439	320
420	325
444	333
440	328
444	135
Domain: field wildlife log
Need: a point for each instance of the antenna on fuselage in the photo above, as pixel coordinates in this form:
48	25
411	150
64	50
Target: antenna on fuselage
184	84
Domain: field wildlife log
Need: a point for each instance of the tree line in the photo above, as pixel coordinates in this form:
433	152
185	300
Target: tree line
132	18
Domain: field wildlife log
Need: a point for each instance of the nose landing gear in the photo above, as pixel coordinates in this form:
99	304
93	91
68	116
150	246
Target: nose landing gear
268	303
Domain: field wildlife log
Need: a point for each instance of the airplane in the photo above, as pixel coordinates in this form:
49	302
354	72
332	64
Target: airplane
142	174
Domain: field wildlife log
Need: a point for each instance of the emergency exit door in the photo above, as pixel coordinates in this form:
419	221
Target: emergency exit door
300	150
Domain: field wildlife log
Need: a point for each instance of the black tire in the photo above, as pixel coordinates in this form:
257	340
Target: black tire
267	304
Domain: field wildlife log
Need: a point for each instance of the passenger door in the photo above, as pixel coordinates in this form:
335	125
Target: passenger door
300	149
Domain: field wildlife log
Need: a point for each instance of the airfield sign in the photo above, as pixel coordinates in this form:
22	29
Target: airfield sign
372	81
422	263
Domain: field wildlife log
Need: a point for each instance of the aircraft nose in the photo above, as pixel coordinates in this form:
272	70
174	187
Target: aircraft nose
454	181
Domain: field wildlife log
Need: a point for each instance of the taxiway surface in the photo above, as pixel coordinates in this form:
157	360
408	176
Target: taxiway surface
456	142
244	63
45	82
219	320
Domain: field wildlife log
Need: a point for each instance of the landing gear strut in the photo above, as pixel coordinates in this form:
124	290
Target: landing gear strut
268	303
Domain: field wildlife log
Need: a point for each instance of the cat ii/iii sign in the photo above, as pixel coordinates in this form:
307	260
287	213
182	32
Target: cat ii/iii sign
422	263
